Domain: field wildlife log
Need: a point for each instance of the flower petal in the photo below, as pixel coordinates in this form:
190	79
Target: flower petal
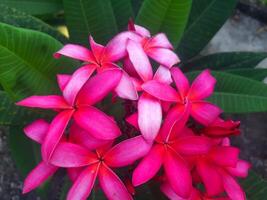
97	49
75	51
72	155
37	130
111	184
138	29
133	120
204	112
240	170
203	86
232	188
163	75
83	185
126	88
149	166
210	177
97	87
192	145
74	172
161	91
45	102
168	191
78	79
160	40
82	137
62	80
38	176
97	123
55	132
178	174
116	48
127	152
139	60
165	57
149	116
224	155
181	81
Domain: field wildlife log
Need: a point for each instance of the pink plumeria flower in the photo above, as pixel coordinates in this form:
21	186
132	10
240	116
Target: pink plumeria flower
79	96
156	47
222	128
218	168
98	165
37	132
187	98
168	151
104	57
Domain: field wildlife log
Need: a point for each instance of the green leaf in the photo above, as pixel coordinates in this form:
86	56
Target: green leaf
20	19
168	16
237	94
36	7
229	60
27	66
206	18
86	17
123	11
255	73
136	5
255	187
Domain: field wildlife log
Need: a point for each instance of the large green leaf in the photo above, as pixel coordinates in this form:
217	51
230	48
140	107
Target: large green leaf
206	18
136	4
229	60
27	66
168	16
254	73
123	11
255	187
86	17
35	7
20	19
237	94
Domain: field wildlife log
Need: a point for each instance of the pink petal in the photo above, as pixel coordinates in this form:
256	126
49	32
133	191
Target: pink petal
204	112
165	57
232	188
168	191
149	116
72	155
55	132
116	48
160	91
37	130
82	137
97	87
62	80
203	86
75	51
163	75
224	156
192	145
97	123
181	81
126	88
174	121
240	170
141	30
127	152
129	68
139	60
111	184
45	102
210	177
133	120
178	174
78	79
83	185
160	40
74	172
149	166
97	49
38	176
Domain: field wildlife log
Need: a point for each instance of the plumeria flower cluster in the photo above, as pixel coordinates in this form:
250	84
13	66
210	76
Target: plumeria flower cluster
172	135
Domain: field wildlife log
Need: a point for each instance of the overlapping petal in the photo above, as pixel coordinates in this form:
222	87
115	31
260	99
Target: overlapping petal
37	130
181	82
